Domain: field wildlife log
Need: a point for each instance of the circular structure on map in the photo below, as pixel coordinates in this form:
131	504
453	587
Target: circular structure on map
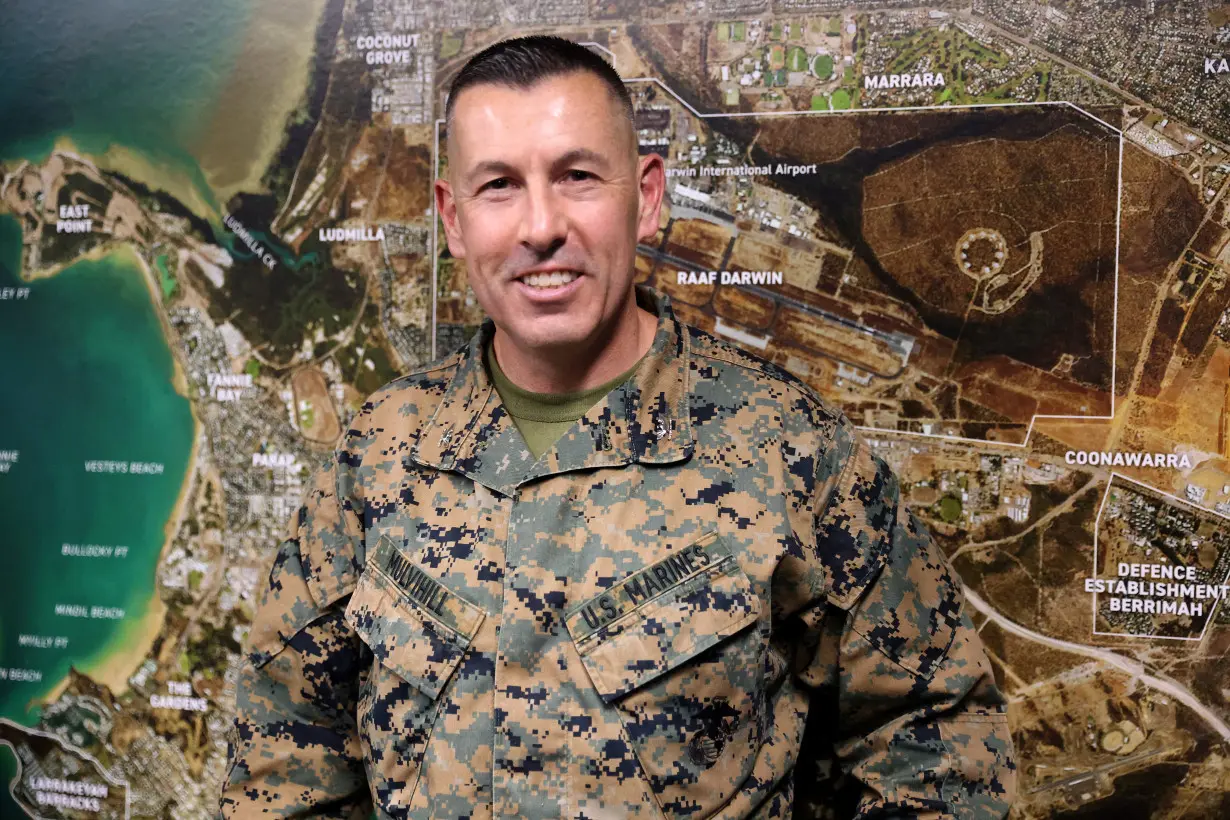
981	253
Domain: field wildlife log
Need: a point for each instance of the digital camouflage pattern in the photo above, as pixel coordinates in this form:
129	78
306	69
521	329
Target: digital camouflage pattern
706	600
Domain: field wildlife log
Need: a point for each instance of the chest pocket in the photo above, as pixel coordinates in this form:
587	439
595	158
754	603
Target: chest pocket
418	632
673	648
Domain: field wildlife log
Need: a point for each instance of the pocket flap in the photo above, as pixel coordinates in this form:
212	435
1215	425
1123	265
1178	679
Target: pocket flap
662	616
411	622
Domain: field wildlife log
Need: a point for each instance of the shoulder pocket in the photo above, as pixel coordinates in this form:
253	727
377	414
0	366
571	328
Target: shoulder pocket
412	623
676	651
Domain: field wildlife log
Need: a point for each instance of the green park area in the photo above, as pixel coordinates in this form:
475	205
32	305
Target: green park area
958	56
165	278
819	102
822	66
777	57
950	509
834	29
450	45
841	99
796	60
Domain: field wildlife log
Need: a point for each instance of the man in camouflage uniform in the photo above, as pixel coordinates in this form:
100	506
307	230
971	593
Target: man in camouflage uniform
704	598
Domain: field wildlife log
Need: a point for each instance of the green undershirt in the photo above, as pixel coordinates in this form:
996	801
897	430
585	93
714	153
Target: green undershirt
543	417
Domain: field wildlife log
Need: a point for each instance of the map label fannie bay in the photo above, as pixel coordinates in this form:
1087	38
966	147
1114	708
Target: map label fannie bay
1121	459
228	386
924	80
364	234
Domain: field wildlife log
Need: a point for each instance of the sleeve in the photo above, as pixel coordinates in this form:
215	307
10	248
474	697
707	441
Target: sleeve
294	749
905	718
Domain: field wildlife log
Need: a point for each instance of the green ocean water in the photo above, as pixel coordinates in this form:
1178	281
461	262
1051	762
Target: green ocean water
143	74
85	372
87	376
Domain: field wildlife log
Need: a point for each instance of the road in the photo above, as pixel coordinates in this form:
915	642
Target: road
1132	667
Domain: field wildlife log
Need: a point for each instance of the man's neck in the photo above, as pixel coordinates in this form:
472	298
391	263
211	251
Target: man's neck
567	371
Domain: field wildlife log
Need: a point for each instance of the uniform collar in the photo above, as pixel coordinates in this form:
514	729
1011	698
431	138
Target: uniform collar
645	420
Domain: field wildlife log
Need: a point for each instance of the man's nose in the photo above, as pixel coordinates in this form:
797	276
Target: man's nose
544	225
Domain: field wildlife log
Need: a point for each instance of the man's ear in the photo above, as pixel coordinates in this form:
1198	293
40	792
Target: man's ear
446	206
651	186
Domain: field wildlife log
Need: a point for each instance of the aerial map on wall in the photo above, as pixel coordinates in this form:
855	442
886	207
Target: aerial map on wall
995	233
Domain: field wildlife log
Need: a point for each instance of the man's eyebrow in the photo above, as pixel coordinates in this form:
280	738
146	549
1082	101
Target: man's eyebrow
499	168
490	167
583	155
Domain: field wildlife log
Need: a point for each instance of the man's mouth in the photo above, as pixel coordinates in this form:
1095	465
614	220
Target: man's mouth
546	281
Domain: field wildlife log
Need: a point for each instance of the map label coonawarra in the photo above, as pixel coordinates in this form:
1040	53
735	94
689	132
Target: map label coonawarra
997	235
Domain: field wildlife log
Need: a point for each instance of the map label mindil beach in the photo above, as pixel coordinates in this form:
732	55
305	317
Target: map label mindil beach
729	277
387	49
363	234
93	551
43	641
12	294
254	245
1119	458
7	459
74	219
923	80
69	794
228	386
105	613
20	675
1216	65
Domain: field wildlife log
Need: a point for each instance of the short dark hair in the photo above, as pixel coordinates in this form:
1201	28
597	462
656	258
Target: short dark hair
521	62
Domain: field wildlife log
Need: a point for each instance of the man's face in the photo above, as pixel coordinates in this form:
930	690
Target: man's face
545	201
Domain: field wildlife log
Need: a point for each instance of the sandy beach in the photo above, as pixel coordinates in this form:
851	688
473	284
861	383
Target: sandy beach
267	83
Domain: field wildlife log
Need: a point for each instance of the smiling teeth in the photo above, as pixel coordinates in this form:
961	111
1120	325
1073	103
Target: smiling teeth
554	279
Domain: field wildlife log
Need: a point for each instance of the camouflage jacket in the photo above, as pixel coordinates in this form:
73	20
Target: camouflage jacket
706	600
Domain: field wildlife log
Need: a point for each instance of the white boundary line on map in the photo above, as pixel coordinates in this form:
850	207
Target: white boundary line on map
435	228
1097	525
435	256
20	767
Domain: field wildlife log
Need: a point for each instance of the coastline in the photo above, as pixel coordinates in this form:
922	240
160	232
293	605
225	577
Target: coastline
112	667
157	176
267	84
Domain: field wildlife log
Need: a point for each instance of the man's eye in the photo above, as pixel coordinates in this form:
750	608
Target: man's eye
578	176
496	184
